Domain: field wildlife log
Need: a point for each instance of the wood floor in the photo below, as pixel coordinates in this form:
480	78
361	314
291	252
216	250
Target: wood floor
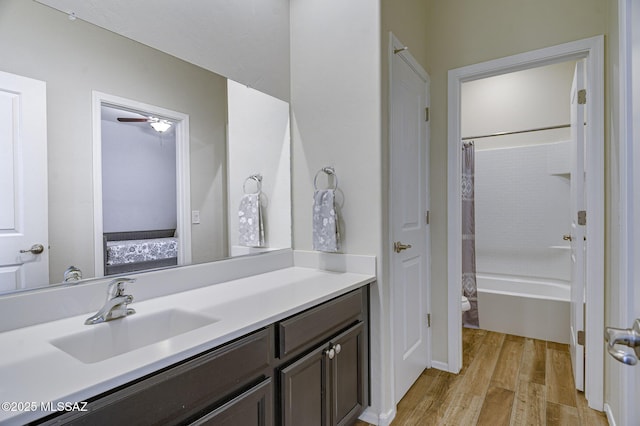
506	380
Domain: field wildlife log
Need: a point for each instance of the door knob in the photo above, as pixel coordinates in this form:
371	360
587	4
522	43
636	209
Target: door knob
35	249
624	336
567	237
398	246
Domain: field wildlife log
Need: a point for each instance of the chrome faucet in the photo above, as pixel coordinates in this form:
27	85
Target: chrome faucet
116	305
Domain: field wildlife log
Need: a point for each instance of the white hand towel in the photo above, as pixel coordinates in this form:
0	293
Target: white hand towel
326	235
251	229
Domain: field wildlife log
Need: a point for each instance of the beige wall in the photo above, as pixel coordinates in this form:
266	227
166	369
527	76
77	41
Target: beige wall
464	32
74	58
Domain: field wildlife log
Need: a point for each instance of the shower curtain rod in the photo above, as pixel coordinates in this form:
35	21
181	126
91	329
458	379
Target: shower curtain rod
515	132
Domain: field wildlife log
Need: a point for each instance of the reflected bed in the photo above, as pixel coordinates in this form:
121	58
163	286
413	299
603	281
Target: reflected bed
139	250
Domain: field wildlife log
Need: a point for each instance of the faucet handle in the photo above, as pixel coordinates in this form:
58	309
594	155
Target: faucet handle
116	287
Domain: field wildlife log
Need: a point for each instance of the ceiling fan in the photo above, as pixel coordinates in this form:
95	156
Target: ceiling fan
160	125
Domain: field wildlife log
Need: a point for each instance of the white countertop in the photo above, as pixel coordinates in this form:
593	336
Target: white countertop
32	370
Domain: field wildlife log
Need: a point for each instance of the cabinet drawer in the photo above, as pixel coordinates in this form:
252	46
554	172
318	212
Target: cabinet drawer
319	323
180	392
252	408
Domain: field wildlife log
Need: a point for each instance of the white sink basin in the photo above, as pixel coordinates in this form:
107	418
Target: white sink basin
106	340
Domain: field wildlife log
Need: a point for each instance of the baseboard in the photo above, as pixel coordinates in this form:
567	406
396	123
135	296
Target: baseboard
438	365
609	413
384	419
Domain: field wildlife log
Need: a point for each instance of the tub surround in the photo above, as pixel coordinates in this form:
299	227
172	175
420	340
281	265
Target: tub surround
242	295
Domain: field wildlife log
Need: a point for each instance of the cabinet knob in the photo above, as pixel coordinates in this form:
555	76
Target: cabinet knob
331	353
338	348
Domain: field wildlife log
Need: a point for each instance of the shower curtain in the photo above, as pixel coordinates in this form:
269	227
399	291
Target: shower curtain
469	286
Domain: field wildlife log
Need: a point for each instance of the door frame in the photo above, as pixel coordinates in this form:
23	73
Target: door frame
183	175
621	383
592	50
395	43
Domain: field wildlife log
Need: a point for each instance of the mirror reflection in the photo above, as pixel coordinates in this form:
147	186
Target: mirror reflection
76	60
139	191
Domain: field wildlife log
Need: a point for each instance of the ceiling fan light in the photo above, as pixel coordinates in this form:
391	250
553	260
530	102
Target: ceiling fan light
160	126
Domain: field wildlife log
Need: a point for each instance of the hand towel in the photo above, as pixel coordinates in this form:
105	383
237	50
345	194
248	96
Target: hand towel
326	235
251	229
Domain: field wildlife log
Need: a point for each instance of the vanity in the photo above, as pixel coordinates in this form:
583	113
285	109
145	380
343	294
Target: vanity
282	335
286	346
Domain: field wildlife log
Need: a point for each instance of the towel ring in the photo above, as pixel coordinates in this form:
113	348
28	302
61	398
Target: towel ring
258	179
329	171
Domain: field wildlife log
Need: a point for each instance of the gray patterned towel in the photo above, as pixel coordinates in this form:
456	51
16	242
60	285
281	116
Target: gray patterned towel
251	232
326	235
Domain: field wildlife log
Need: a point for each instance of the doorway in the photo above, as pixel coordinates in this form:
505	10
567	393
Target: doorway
157	228
529	253
591	50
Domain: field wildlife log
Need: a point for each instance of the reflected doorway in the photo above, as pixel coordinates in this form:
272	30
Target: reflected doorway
141	186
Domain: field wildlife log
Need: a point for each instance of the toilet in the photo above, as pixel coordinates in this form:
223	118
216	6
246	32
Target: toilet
465	304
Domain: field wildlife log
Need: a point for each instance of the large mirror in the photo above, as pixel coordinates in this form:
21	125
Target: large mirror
238	137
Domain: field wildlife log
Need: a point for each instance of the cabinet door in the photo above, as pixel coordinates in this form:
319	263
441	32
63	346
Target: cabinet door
252	408
303	386
349	378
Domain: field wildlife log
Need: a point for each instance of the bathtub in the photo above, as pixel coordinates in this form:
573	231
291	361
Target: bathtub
524	307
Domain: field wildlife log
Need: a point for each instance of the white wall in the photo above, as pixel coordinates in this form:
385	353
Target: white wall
138	178
336	121
259	143
529	99
522	211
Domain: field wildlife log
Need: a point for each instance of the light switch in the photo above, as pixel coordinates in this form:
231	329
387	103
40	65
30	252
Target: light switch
195	216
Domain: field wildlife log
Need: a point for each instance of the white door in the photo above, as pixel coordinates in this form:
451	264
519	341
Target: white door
409	134
23	183
633	283
577	226
625	379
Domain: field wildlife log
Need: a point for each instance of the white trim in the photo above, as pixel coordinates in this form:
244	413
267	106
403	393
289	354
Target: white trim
443	366
607	410
183	175
592	49
395	43
454	219
382	419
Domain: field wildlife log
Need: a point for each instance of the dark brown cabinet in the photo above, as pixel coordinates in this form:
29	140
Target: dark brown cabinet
303	386
348	377
184	392
252	408
309	369
324	371
328	386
